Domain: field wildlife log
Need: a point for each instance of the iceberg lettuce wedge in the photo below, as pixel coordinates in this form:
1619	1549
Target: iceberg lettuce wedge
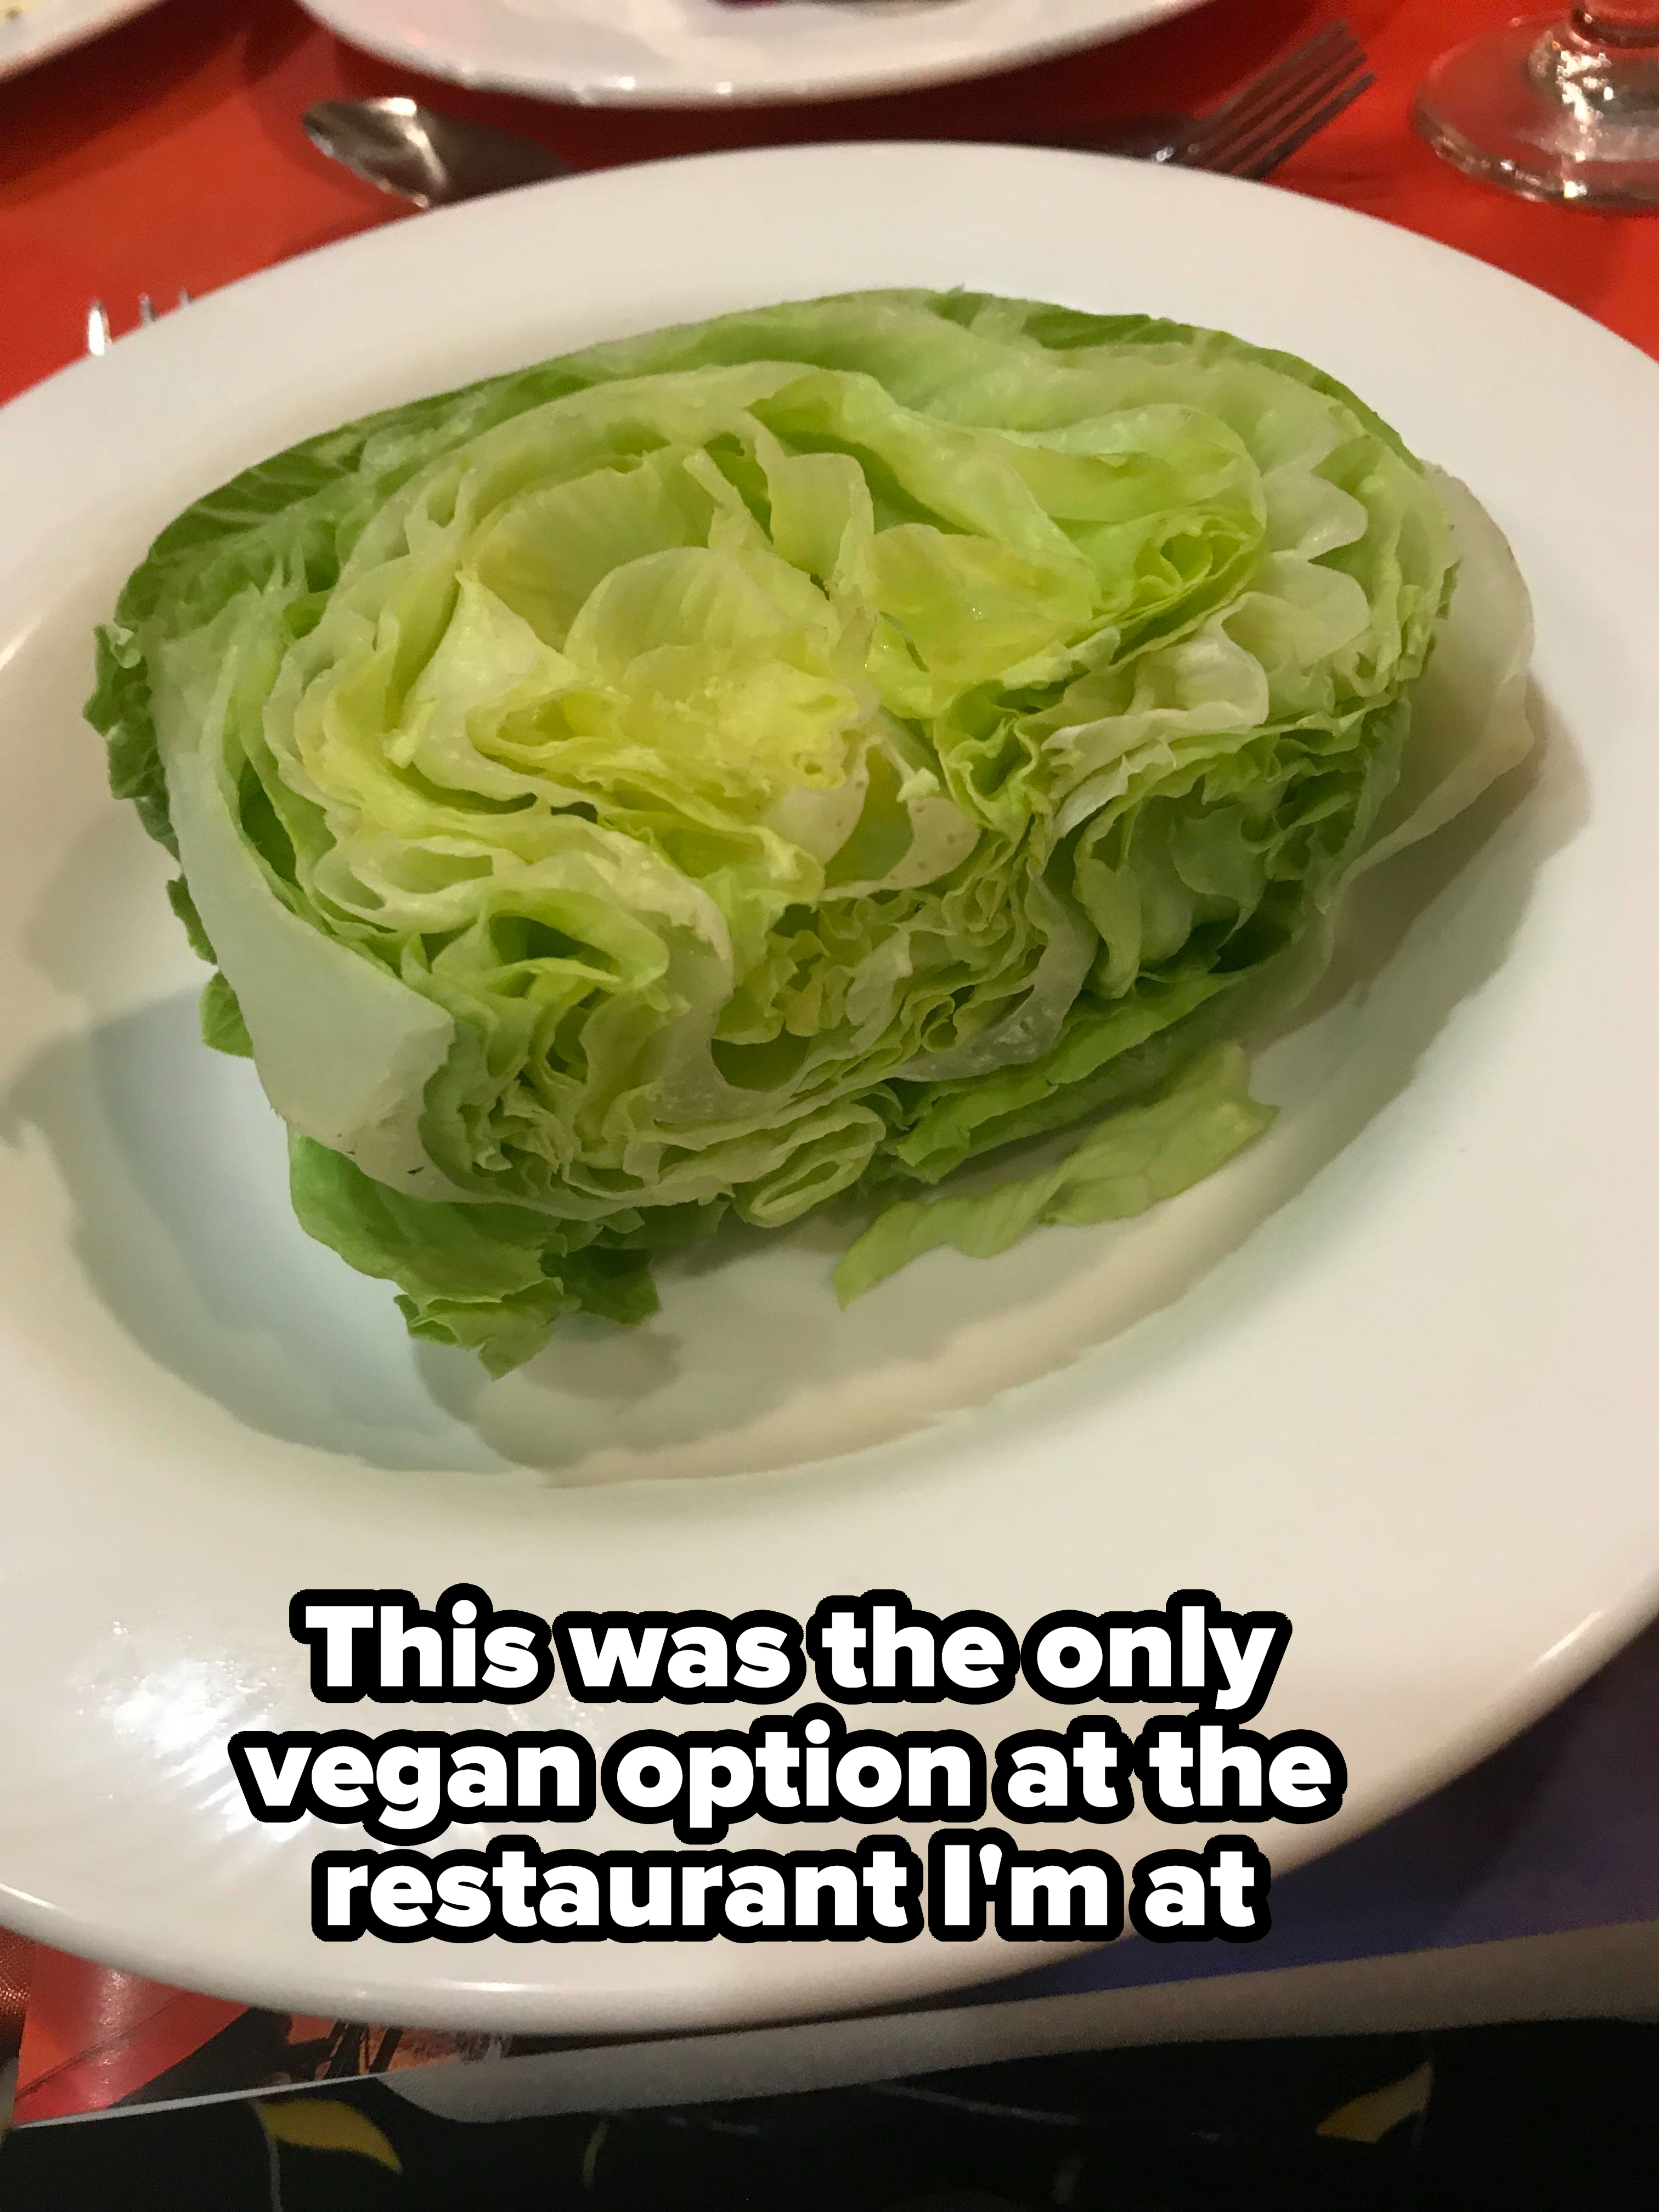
786	756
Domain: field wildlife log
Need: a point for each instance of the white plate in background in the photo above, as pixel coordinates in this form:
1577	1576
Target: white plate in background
33	30
649	54
1390	1372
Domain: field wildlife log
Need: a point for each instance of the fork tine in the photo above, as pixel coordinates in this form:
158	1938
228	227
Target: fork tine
1283	90
1285	147
100	335
1245	155
1266	84
1247	138
1312	75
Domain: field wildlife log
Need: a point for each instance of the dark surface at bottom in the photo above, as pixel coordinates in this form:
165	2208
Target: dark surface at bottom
1514	2117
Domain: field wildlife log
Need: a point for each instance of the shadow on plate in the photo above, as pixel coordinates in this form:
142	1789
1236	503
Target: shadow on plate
176	1167
182	1231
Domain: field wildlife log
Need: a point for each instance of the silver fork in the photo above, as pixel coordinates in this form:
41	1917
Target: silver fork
1261	124
100	335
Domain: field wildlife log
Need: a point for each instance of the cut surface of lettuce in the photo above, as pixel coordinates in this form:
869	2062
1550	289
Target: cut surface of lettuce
794	755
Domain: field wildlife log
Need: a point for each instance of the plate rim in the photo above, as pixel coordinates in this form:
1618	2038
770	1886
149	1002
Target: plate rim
88	20
345	20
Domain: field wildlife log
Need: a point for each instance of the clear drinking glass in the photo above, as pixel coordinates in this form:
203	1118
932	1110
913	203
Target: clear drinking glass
1567	110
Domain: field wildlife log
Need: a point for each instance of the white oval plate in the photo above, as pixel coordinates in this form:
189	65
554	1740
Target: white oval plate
652	53
1389	1372
33	30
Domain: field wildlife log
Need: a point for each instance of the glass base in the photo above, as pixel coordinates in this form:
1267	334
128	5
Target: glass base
1538	109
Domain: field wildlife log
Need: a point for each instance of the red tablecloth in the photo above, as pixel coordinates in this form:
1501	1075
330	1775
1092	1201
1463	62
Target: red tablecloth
169	154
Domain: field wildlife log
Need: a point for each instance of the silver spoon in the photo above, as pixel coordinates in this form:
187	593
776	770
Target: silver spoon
419	154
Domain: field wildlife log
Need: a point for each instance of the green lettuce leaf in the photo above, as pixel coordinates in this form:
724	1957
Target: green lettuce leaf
491	1279
222	1026
1153	1150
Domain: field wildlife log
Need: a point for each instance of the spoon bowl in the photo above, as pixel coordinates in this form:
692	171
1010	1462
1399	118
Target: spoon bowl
416	154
